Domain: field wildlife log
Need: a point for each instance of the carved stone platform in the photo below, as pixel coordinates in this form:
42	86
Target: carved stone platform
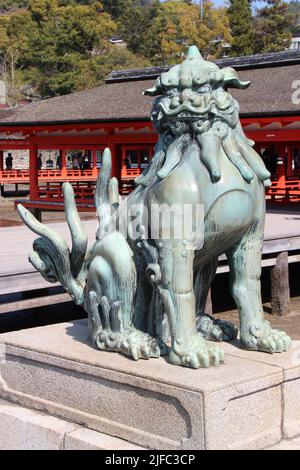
251	402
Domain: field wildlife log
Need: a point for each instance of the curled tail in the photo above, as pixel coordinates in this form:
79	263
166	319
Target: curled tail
106	196
51	255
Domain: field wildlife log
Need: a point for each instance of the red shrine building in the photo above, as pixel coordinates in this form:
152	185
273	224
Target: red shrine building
76	128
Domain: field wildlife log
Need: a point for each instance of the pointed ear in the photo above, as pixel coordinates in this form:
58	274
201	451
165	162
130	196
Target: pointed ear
231	79
156	90
151	92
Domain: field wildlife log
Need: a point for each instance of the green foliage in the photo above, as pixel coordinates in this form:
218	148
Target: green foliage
294	10
59	49
273	25
60	46
136	28
163	31
8	5
240	18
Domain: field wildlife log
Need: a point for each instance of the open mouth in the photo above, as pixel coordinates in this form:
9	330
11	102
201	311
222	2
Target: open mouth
185	117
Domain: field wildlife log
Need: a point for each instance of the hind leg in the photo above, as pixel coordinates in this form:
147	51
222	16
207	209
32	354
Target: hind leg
245	270
211	329
110	293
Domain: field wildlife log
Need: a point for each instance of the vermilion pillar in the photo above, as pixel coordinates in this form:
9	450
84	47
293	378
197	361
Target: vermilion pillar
94	162
281	172
63	155
1	160
33	171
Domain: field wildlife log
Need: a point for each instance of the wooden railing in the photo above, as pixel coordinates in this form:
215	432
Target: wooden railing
128	176
130	173
52	191
22	176
284	190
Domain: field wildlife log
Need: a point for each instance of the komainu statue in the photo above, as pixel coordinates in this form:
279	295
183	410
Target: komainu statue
144	292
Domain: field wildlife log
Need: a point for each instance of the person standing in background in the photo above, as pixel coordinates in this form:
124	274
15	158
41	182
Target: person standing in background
58	162
40	161
9	161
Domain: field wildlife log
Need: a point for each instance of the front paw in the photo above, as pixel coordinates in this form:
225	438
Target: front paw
131	342
139	345
266	339
193	352
275	341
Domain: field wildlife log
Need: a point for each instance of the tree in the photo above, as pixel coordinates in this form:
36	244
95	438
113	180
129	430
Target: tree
8	5
240	19
93	72
59	46
117	8
294	10
181	26
60	40
138	28
273	25
13	43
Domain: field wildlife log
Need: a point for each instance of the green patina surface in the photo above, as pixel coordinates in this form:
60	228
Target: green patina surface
145	295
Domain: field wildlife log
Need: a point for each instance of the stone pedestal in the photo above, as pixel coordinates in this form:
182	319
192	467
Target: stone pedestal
250	402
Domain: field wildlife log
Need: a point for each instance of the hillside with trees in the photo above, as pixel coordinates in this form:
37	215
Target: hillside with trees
294	9
53	47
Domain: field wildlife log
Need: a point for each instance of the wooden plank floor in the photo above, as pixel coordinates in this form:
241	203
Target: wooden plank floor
16	244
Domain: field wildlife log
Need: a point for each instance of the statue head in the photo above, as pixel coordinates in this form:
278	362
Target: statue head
192	102
194	94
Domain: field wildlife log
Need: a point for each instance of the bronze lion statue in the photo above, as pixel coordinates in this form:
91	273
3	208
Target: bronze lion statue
144	292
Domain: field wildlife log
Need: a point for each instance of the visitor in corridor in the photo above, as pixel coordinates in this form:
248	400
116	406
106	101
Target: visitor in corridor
49	163
9	161
269	157
80	161
127	162
86	163
75	162
58	162
296	160
40	162
69	162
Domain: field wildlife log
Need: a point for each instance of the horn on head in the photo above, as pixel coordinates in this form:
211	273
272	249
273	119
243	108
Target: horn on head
193	53
155	90
231	79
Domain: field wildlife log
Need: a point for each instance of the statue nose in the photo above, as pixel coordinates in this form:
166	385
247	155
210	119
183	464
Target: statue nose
186	96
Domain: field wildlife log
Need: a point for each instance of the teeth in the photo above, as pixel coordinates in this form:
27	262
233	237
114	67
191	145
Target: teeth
160	115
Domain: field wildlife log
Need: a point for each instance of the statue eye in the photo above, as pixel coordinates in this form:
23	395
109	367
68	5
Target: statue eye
204	89
171	92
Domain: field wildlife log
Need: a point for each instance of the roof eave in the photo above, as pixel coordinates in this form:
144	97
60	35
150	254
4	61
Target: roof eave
72	122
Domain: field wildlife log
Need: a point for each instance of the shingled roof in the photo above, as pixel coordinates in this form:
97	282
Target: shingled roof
122	99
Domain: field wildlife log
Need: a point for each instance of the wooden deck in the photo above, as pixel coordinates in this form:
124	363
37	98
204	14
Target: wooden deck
282	234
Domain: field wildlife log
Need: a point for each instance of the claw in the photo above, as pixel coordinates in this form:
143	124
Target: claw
268	340
193	352
146	352
194	363
134	353
214	354
204	359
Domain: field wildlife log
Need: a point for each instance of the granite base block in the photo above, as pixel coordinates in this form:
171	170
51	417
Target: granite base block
152	404
26	429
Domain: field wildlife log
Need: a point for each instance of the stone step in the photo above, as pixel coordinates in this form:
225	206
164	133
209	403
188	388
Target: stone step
26	429
287	444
